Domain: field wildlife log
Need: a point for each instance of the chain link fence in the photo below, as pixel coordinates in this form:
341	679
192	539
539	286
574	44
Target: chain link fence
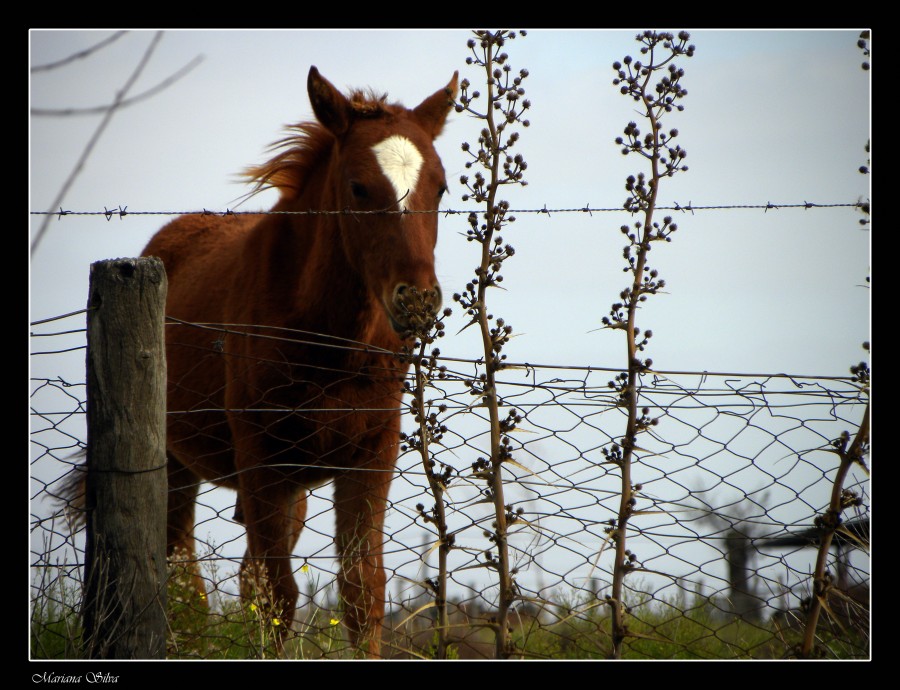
729	483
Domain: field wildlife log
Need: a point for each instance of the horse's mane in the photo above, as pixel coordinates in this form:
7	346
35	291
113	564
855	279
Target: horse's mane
306	144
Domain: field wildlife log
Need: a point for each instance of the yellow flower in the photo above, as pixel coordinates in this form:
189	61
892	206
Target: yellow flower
304	568
334	621
276	621
253	607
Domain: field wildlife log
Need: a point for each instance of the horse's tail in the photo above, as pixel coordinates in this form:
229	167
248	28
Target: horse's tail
71	497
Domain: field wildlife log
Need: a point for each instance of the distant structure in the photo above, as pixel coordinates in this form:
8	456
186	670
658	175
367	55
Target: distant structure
841	542
744	601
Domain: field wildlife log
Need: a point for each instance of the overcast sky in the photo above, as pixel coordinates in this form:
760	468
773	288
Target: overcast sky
770	116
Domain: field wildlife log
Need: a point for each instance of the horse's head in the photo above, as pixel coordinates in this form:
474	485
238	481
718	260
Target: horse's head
384	160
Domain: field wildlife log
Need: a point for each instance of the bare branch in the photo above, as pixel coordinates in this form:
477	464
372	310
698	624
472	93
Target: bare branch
100	109
120	96
79	55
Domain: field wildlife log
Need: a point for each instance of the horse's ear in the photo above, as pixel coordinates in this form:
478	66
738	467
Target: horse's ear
331	107
432	112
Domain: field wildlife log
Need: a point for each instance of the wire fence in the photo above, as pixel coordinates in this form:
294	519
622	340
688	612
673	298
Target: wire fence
743	499
730	483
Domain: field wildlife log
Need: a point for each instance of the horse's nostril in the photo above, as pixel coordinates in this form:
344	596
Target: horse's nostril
438	298
410	298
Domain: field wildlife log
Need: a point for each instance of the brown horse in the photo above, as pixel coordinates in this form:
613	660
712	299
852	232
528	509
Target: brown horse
283	333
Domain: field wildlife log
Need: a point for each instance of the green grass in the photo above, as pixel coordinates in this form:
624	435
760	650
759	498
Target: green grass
683	627
229	628
55	631
225	628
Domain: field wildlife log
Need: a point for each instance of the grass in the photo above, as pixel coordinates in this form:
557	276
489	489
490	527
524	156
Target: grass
55	623
678	628
229	628
223	628
684	627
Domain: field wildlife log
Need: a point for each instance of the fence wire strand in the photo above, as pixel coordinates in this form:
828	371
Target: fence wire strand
122	211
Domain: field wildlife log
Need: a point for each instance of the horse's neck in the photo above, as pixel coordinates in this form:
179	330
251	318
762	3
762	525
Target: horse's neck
301	260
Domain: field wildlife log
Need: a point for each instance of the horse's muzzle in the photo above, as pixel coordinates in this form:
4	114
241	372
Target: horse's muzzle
411	310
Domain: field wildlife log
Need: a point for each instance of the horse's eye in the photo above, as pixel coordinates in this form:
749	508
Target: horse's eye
359	190
443	190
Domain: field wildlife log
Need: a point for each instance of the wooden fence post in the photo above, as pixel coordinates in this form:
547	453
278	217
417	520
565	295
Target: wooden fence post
125	573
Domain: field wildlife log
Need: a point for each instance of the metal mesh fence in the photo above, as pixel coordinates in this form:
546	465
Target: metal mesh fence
728	486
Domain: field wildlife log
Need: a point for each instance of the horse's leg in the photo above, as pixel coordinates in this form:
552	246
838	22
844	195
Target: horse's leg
184	486
360	500
295	525
268	505
297	520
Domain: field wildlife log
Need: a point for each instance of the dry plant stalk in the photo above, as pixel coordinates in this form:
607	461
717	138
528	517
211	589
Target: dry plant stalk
830	521
665	159
504	107
430	431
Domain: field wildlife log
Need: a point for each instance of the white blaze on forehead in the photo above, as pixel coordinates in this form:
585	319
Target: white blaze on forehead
400	162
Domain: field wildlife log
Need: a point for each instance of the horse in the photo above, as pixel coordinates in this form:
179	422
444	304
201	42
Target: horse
282	340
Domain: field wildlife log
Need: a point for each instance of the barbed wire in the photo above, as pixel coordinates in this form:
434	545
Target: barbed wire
122	211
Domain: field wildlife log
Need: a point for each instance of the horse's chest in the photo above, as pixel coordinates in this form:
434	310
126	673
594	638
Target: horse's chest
318	413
